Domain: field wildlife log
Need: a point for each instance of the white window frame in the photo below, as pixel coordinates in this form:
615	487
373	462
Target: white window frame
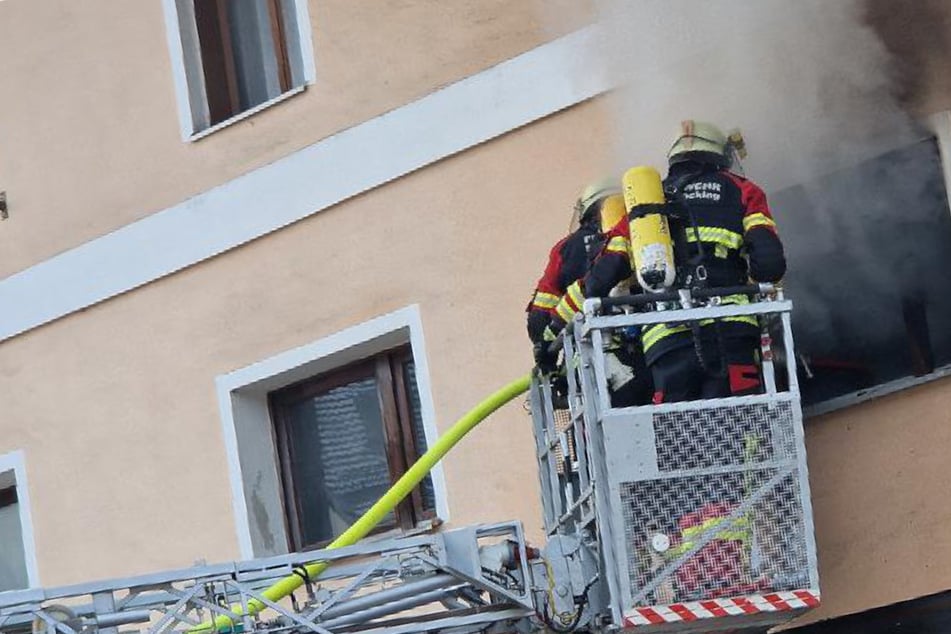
242	402
15	462
190	98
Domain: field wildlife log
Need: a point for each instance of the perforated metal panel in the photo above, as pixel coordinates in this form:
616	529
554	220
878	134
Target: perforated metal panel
724	436
702	511
708	504
721	513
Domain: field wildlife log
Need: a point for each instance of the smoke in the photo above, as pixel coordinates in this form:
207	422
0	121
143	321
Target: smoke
809	84
917	36
821	102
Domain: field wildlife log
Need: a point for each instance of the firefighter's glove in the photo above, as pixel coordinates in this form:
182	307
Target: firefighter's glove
545	359
554	328
537	321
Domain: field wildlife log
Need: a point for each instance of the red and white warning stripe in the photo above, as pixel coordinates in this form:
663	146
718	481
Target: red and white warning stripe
735	606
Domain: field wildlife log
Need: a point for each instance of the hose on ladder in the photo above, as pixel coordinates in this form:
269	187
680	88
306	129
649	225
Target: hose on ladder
375	514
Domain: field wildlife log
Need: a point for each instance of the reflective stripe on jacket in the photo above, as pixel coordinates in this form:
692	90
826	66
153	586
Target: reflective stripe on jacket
652	335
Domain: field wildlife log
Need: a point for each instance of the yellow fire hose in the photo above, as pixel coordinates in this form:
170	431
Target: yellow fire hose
403	487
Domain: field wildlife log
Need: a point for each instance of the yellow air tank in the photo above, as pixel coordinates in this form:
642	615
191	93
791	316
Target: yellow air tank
612	211
652	249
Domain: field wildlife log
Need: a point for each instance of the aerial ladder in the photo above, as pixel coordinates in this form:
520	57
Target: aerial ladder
681	517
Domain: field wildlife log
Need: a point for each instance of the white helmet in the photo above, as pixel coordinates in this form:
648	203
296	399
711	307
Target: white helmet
698	140
594	192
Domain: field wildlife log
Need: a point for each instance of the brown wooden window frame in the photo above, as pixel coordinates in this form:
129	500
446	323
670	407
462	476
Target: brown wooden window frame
387	368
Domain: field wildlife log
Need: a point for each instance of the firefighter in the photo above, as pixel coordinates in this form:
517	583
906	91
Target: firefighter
730	237
599	208
568	261
726	236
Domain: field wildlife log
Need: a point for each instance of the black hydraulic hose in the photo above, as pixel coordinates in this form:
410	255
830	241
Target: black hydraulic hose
581	602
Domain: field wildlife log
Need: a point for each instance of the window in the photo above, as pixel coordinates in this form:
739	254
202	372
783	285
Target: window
250	401
14	574
343	438
237	55
868	250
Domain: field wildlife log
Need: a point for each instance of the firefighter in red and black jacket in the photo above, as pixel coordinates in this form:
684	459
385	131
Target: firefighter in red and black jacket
727	237
568	261
600	207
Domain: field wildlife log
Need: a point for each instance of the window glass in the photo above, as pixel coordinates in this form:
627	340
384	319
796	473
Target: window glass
419	434
13	573
255	55
238	54
343	439
339	458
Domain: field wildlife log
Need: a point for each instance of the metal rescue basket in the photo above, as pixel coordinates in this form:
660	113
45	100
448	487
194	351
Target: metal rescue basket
699	511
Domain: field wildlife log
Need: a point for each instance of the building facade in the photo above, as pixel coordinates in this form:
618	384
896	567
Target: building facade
252	244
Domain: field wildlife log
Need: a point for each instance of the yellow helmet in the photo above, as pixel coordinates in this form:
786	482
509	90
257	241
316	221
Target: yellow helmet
700	140
594	192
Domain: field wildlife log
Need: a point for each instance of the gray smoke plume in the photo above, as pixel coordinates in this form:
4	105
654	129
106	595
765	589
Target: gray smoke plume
854	183
809	84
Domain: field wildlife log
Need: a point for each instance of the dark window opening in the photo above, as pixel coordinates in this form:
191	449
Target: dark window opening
869	249
8	496
343	439
920	352
13	570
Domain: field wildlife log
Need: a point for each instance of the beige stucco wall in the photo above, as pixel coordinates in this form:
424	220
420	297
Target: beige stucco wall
115	406
881	491
89	126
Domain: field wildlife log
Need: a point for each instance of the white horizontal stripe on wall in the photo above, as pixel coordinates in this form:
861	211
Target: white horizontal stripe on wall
481	107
